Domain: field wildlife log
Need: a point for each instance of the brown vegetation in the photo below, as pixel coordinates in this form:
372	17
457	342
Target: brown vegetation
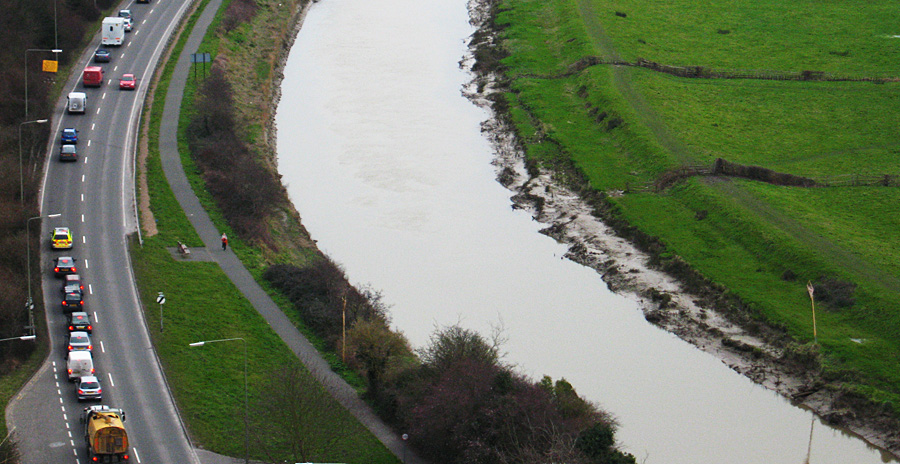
245	190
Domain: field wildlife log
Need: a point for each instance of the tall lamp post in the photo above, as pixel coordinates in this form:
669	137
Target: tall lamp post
23	337
52	50
30	303
21	177
246	430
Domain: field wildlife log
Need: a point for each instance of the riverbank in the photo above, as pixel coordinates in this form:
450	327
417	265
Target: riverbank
764	354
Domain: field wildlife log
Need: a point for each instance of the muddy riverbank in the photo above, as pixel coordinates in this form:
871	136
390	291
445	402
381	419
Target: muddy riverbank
763	354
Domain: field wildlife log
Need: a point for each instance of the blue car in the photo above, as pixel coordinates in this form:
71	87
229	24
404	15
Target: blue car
69	135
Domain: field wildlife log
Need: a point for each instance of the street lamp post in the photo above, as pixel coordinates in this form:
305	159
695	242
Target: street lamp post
21	177
29	304
53	50
23	337
246	429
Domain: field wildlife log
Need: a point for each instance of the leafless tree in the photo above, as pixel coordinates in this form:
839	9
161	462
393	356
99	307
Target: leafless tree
291	415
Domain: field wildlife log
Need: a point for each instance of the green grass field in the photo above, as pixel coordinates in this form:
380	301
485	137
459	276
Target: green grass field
625	126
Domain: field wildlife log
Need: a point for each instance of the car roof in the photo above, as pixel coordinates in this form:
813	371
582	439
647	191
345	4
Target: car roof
60	230
89	378
80	314
69	129
68	148
83	354
63	259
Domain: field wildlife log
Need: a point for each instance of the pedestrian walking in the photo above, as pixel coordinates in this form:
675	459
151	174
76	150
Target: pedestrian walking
224	242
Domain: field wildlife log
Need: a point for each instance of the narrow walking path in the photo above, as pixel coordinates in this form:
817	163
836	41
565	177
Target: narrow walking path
305	351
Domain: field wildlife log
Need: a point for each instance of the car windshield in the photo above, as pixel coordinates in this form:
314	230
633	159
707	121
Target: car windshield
90	385
68	148
60	236
73	297
79	339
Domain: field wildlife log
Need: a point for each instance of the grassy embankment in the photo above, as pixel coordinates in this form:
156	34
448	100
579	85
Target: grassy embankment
202	304
625	126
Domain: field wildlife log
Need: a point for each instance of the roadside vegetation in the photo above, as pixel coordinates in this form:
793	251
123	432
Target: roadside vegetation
613	131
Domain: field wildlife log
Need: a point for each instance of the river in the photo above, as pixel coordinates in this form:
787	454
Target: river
385	161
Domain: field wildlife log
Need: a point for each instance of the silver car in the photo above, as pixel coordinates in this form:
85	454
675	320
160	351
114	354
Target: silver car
80	341
88	388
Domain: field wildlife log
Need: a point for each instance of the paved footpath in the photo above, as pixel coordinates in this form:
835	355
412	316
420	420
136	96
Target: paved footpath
236	271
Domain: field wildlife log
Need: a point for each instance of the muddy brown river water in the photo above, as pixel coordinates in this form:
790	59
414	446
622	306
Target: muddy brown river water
385	160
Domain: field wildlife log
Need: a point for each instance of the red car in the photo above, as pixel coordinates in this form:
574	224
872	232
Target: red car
127	82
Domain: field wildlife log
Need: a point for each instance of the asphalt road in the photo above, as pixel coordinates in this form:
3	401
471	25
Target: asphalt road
94	198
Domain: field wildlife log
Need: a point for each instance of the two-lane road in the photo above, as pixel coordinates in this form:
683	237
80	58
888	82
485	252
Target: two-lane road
94	197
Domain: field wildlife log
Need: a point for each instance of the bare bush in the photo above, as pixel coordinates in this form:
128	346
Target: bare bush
322	296
244	189
292	415
238	12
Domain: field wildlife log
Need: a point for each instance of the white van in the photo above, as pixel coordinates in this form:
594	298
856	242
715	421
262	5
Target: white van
77	102
112	32
79	363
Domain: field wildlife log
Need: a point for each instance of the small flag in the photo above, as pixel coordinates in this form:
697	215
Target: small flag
50	66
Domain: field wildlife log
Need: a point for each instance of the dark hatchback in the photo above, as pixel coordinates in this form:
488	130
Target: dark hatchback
64	265
73	302
68	152
80	321
101	56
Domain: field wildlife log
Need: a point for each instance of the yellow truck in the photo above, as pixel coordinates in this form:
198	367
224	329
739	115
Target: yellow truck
104	434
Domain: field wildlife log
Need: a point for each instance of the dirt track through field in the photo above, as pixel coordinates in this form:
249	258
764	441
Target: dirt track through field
620	74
